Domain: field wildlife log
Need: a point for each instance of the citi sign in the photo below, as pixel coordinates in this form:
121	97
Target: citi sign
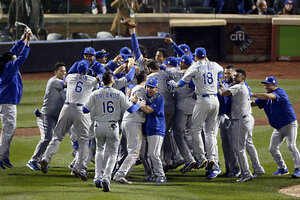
237	36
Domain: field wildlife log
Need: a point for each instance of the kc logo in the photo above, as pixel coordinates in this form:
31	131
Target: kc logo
240	38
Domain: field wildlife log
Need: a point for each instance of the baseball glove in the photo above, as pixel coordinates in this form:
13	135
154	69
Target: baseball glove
128	23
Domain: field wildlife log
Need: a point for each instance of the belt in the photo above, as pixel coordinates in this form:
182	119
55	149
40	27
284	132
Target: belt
77	104
207	95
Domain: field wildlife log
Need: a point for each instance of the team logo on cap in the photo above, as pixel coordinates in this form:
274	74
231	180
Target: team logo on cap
183	60
88	49
185	49
273	81
151	82
169	62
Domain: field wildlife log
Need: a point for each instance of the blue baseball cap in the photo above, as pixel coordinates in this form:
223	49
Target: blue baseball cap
200	52
152	82
101	54
126	53
89	50
289	2
270	80
173	61
188	60
185	48
82	66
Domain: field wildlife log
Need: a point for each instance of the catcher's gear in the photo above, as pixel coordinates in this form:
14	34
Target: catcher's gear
128	23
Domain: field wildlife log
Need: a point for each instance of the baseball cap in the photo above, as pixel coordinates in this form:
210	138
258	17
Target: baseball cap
185	47
186	60
101	54
82	66
200	52
173	61
152	82
126	53
289	2
270	80
89	50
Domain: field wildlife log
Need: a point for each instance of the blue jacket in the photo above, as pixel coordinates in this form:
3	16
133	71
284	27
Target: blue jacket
11	86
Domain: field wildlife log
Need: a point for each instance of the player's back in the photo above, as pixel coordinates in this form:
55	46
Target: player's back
109	104
79	87
205	76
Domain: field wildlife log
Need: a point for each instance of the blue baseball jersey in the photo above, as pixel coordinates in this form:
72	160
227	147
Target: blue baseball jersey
155	121
225	102
95	69
280	111
11	86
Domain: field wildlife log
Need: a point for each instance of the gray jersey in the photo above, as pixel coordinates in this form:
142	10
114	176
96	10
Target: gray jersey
205	77
184	96
164	89
140	62
138	116
120	83
108	103
54	97
79	87
240	101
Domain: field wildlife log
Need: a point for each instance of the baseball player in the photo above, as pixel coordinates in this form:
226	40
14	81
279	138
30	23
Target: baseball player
282	118
109	105
224	119
185	102
54	99
101	56
205	75
242	120
181	50
132	130
79	87
11	89
161	55
95	68
154	131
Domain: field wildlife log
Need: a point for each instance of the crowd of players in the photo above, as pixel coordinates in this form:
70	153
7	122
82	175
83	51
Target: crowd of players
167	111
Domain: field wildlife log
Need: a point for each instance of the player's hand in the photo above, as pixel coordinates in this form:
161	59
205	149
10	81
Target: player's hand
131	62
221	84
172	83
168	40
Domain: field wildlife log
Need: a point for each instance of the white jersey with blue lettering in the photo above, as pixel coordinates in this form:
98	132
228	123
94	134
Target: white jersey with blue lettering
79	87
108	104
205	76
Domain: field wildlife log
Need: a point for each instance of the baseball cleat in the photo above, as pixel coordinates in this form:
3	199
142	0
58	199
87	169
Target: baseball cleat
234	175
256	174
213	173
281	172
105	184
148	179
296	174
202	164
244	179
187	167
162	179
124	181
81	175
209	165
98	184
44	166
7	163
1	165
33	166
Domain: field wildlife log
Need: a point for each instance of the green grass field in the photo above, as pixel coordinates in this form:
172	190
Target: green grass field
22	183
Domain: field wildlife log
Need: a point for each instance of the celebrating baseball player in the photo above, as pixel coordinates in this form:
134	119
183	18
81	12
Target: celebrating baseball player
79	87
109	106
282	118
242	122
54	99
11	89
205	75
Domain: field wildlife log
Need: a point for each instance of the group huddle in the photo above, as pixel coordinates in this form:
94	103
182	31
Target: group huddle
165	112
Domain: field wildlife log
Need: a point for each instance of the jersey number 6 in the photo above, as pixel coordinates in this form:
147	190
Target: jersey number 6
78	87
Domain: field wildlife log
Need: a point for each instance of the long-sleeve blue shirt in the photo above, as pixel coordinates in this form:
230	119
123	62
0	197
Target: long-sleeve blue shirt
11	86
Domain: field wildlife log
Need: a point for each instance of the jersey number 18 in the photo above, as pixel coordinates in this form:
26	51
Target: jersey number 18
207	77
